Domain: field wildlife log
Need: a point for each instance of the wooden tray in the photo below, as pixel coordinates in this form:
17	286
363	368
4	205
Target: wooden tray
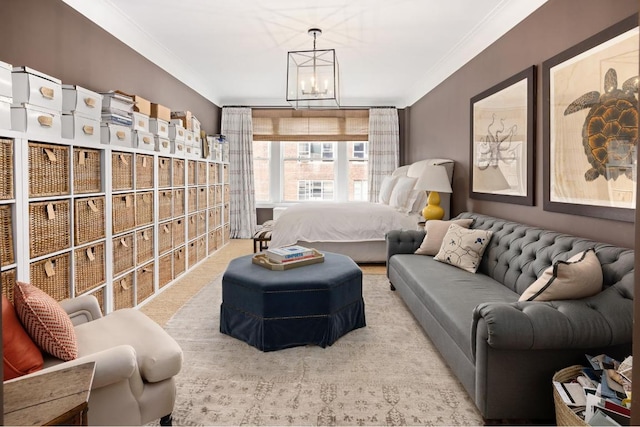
263	261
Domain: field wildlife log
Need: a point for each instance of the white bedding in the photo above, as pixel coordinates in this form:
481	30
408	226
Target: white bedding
338	222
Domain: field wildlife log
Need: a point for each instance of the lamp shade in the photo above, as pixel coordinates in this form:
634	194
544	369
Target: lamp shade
434	178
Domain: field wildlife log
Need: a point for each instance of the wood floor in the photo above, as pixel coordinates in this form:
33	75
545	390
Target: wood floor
164	305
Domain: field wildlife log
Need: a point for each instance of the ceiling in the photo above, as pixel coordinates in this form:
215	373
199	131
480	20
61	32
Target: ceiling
234	52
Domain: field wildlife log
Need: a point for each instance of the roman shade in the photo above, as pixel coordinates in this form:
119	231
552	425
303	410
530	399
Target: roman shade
310	125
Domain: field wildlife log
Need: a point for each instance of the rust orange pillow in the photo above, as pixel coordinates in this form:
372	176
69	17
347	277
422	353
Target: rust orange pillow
20	355
45	321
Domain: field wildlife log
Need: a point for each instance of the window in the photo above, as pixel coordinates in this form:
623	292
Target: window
293	171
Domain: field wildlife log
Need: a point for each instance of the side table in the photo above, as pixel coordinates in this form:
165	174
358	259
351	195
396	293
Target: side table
55	398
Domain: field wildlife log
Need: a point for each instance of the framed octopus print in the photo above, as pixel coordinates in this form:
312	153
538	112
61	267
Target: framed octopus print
591	125
502	140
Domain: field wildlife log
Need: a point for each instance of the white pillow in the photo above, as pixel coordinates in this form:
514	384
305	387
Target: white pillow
463	248
385	189
436	230
417	201
578	277
401	192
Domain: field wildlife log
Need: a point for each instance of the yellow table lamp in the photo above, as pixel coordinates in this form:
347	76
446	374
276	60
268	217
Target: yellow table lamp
434	179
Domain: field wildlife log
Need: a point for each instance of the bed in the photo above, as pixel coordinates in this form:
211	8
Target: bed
358	229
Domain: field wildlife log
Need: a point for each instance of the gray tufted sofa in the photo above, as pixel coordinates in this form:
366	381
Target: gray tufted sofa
504	352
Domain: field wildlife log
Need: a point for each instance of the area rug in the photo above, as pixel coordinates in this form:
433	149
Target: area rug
387	373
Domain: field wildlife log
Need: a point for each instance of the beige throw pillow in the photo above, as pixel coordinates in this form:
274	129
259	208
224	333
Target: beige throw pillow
463	248
578	277
436	230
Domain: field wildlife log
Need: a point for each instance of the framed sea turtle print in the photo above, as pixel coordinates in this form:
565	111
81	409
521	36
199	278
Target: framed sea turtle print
590	125
502	140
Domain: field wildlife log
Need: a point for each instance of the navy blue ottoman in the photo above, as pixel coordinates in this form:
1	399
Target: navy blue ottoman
272	310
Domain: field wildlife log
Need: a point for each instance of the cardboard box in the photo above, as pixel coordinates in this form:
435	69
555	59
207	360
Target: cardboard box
140	105
185	117
160	112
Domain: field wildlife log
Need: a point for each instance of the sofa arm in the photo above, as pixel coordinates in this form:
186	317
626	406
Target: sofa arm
603	320
403	242
82	309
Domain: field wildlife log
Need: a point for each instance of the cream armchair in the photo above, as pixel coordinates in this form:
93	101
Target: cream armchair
135	364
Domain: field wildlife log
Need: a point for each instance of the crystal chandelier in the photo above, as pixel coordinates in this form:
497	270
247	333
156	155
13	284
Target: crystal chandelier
312	77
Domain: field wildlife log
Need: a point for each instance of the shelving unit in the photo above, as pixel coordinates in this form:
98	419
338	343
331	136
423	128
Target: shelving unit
116	222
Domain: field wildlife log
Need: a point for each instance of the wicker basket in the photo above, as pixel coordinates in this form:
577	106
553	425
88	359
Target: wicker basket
202	248
178	202
192	196
202	173
123	212
212	196
165	237
52	276
226	213
213	244
178	232
144	245
211	218
8	279
165	269
179	260
219	242
144	171
48	170
7	254
144	208
123	292
192	254
202	223
165	205
123	253
192	172
178	172
144	282
564	415
49	225
89	272
218	195
6	169
122	171
89	221
202	198
87	171
164	172
226	234
213	173
192	226
99	294
225	174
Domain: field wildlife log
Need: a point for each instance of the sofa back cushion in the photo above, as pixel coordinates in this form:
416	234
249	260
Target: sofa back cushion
518	254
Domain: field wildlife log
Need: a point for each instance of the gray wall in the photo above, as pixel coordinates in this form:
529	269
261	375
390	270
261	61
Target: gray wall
51	37
438	124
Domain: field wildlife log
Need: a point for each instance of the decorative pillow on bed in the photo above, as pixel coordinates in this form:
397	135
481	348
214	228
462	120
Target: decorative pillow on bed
578	277
463	248
401	192
436	230
385	189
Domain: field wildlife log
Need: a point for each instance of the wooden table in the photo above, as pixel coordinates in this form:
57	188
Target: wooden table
55	398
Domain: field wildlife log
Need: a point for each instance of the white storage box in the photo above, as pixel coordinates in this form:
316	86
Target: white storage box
225	153
189	140
162	144
5	112
6	90
115	134
80	128
177	133
195	125
159	127
76	99
177	148
197	140
117	101
143	140
36	89
36	120
196	152
140	122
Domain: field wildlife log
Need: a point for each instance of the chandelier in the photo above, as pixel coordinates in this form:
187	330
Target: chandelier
312	77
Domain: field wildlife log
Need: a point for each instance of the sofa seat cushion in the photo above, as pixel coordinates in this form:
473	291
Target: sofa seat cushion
158	355
449	293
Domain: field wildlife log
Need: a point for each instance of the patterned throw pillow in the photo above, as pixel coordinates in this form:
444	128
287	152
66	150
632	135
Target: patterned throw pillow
48	325
463	248
436	230
578	277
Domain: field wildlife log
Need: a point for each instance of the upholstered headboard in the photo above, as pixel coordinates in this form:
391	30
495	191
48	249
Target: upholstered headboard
414	170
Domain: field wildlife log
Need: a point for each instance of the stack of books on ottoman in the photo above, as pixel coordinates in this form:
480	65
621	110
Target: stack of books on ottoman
286	257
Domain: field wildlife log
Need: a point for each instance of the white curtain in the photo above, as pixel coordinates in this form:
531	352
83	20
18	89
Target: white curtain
238	129
384	141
